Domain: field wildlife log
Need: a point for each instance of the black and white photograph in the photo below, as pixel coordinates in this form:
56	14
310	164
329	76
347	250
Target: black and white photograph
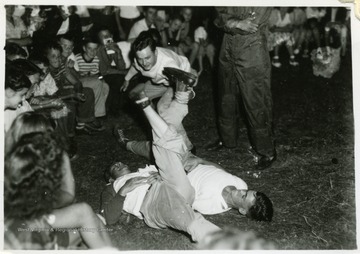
180	126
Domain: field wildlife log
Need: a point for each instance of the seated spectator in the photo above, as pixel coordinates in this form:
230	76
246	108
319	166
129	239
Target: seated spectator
89	71
14	51
69	84
281	27
126	16
104	17
144	24
187	44
173	33
112	67
16	31
66	42
16	87
32	202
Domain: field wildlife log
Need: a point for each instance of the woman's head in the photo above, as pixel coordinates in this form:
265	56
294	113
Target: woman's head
16	86
25	123
33	173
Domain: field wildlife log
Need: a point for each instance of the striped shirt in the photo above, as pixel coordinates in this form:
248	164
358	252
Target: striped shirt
87	68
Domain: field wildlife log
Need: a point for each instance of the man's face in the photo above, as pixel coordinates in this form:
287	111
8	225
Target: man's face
104	34
246	200
150	15
90	50
14	99
175	25
54	57
119	169
187	14
67	47
146	58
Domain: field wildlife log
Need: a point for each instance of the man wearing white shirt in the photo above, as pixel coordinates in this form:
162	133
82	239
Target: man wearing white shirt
143	24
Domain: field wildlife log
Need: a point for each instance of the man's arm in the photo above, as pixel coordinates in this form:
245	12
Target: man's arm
111	204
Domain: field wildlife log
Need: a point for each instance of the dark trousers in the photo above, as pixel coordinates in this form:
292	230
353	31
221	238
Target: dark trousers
113	102
245	72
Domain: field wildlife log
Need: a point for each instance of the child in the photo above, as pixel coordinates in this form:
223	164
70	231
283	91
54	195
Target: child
281	26
88	64
68	83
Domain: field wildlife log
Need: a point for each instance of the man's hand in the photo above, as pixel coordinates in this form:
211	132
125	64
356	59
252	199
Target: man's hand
113	46
132	184
125	86
246	25
80	96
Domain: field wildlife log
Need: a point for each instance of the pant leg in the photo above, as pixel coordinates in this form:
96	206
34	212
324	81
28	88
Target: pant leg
142	148
85	110
254	83
113	102
173	113
71	118
169	151
228	91
101	91
164	207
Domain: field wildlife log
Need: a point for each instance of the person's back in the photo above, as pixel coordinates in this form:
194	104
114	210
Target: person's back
209	182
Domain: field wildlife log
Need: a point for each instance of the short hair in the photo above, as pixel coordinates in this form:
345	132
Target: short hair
262	210
66	36
33	173
51	45
144	40
90	39
177	16
14	49
23	124
27	67
15	79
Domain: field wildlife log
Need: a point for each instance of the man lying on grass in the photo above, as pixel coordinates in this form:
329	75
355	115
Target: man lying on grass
168	202
216	191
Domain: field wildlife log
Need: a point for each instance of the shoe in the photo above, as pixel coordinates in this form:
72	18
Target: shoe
120	137
95	126
182	79
83	130
293	62
215	146
265	162
276	63
72	152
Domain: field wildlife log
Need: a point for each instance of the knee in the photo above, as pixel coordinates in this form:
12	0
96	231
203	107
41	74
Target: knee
84	212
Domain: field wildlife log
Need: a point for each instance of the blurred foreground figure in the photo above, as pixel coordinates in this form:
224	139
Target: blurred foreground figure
234	239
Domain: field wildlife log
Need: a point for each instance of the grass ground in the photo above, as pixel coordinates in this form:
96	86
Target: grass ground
311	184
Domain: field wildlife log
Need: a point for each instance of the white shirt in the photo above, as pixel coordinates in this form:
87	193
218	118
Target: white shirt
129	12
135	198
165	58
209	182
137	28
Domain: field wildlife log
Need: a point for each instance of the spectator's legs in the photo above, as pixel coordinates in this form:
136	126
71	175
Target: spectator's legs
81	215
113	102
101	91
85	110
